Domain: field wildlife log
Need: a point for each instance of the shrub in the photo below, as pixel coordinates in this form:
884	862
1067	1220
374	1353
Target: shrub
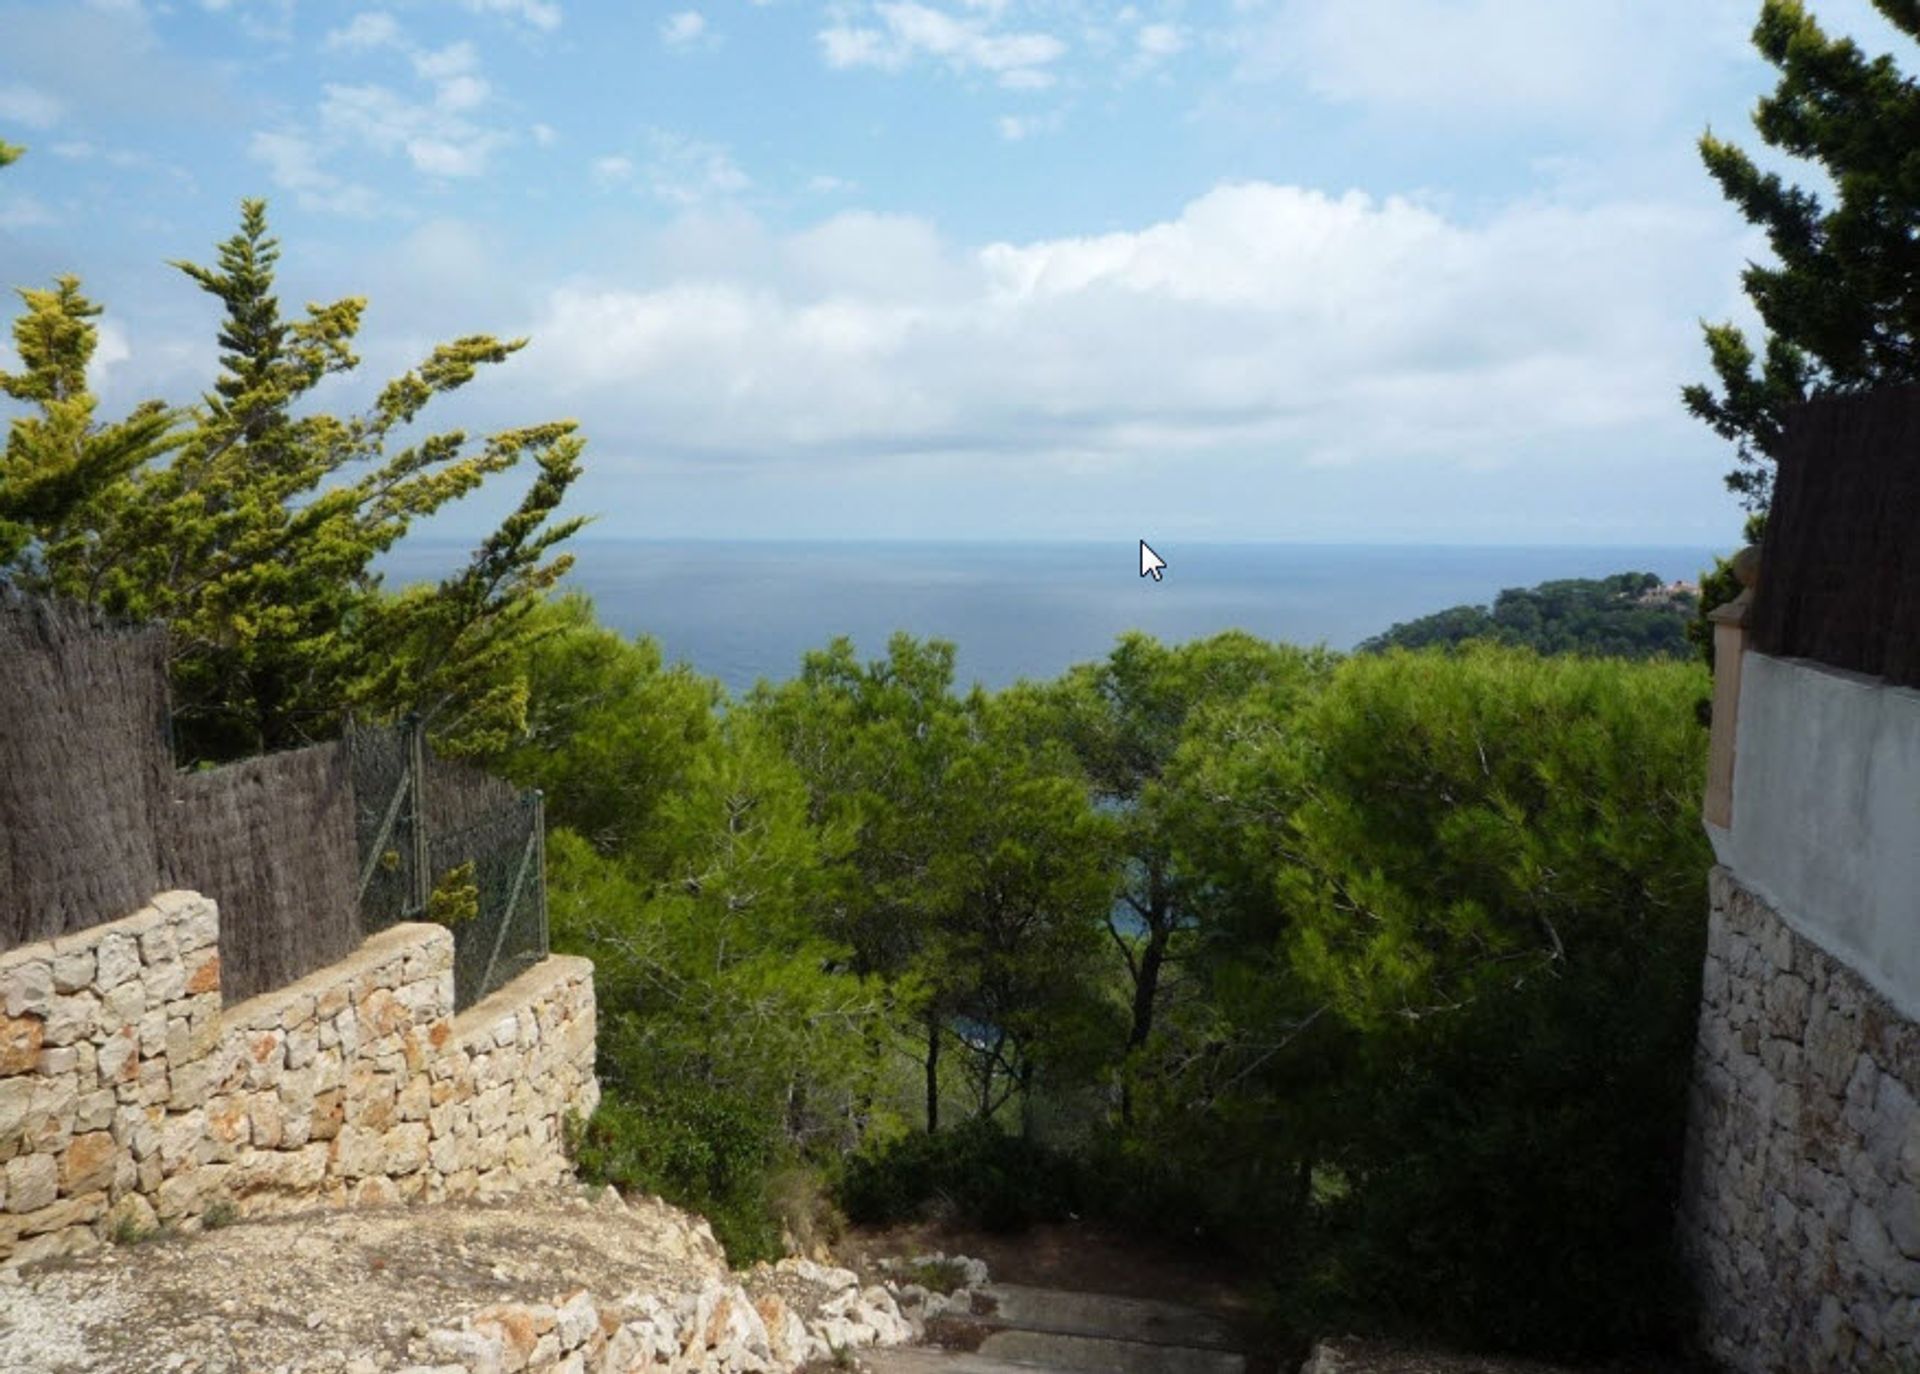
974	1173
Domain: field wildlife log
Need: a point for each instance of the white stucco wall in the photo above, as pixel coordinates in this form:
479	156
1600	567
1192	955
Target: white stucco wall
1826	814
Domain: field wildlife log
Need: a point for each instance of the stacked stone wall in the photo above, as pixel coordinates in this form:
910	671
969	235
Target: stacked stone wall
1801	1215
131	1098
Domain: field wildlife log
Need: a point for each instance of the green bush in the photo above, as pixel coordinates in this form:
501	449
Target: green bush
698	1150
975	1173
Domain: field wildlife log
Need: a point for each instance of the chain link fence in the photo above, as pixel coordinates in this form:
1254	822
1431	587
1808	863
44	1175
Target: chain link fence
444	841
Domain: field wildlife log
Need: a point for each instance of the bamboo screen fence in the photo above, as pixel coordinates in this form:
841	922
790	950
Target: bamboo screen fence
1840	562
305	852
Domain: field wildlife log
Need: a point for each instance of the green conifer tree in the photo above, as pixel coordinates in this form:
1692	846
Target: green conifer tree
1842	306
255	542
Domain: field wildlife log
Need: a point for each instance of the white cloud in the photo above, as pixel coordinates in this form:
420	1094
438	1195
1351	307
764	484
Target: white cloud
1160	40
294	164
1325	329
448	63
539	14
687	171
437	136
683	29
368	29
1016	128
110	349
543	135
964	43
1476	58
22	104
24	212
609	171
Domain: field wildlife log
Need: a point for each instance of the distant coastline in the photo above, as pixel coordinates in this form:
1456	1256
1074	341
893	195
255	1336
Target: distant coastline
742	610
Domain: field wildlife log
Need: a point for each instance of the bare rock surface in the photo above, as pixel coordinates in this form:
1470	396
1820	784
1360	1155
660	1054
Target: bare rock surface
554	1279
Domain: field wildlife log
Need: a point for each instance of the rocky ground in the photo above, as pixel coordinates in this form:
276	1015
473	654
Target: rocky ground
566	1279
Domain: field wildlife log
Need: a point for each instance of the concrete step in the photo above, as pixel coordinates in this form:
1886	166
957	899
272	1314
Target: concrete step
920	1359
1024	1352
1104	1355
1104	1315
1065	1332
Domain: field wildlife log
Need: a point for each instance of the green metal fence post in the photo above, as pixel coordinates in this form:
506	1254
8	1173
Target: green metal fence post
417	772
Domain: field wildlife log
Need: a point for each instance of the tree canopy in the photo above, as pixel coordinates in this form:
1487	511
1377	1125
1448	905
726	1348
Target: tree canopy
250	524
1840	304
1627	615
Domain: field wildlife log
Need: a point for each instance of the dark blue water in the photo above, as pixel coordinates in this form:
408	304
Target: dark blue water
743	611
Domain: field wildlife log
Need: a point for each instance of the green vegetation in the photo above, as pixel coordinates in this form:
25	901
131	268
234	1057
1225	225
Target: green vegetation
1841	305
1378	971
1626	616
249	522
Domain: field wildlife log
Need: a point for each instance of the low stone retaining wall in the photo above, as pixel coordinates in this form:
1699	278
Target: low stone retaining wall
1801	1212
130	1098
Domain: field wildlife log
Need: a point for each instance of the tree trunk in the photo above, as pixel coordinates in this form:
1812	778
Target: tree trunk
1146	991
933	1074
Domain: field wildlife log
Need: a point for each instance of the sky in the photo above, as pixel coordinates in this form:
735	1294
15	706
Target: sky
1422	271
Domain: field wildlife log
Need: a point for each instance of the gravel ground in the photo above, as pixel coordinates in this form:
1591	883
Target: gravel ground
319	1291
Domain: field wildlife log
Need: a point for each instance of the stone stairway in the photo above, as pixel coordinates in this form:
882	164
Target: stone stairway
1032	1329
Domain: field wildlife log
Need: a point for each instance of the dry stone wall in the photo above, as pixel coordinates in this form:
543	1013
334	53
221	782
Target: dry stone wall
1802	1204
132	1098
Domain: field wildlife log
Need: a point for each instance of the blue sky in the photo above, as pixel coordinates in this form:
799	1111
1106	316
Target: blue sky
1395	270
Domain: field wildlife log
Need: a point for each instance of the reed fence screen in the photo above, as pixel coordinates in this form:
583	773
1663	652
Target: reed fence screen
1840	562
306	852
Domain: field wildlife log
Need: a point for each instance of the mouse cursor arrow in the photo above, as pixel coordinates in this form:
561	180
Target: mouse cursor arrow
1150	562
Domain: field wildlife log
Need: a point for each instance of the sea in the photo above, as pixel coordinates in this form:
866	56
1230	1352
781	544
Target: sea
746	611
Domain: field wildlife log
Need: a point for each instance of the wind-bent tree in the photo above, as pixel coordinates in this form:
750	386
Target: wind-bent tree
1841	307
59	462
251	530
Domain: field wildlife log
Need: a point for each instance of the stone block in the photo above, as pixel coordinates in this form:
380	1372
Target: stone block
199	927
73	970
188	1194
33	1182
65	1213
26	988
166	981
117	1060
180	1138
203	973
88	1164
160	944
153	1032
94	1111
21	1038
1902	1212
117	958
71	1018
269	1124
58	1063
122	1007
328	1115
403	1149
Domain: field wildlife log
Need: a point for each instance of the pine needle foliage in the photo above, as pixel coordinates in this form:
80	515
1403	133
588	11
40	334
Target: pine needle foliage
250	523
1841	302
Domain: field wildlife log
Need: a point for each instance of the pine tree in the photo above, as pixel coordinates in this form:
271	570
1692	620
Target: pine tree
1842	306
58	463
9	152
255	542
